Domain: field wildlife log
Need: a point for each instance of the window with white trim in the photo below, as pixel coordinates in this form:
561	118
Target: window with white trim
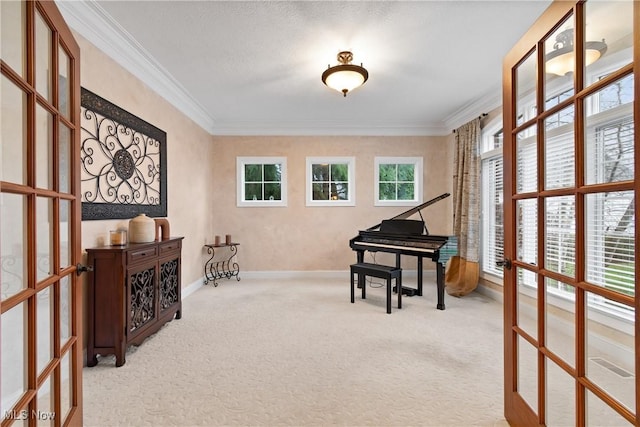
610	216
262	181
331	181
492	198
398	181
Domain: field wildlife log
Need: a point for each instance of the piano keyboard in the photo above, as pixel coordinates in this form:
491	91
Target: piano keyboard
428	250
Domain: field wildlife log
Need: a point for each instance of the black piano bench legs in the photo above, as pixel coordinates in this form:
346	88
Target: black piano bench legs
363	269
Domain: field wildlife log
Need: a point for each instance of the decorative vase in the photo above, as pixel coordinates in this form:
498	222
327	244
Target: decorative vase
142	229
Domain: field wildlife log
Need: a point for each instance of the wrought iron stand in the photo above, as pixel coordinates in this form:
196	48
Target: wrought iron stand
222	263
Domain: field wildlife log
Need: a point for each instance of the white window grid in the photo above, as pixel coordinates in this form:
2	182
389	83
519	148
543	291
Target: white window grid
241	162
418	173
349	185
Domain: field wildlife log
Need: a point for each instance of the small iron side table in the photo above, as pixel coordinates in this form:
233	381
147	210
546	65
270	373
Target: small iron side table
222	263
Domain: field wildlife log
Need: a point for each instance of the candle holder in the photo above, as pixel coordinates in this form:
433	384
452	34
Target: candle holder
118	237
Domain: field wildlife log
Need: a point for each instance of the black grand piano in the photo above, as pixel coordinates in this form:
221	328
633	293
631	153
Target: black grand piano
403	236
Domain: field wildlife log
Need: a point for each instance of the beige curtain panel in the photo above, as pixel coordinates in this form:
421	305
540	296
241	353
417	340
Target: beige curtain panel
463	270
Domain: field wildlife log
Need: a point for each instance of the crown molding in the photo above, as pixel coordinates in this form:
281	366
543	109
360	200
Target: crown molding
92	22
484	104
323	129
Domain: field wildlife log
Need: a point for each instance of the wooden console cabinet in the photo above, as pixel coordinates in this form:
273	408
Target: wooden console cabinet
133	291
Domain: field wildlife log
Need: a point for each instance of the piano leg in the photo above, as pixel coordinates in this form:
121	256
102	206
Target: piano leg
419	276
440	279
360	260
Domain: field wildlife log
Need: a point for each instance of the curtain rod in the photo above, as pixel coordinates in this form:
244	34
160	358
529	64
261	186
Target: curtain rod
481	116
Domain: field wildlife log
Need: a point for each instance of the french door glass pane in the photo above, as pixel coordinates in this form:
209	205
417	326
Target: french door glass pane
44	327
64	103
610	350
527	301
610	240
559	59
527	161
13	131
618	38
65	310
560	319
525	83
14	355
12	35
559	150
560	235
528	373
45	415
64	163
609	134
66	387
13	254
601	414
44	238
527	231
560	396
65	233
43	57
44	154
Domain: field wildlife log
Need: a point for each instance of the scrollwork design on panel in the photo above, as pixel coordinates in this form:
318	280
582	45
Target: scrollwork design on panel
142	298
123	161
168	284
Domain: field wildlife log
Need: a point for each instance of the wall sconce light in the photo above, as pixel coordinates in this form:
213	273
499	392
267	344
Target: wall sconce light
560	60
346	77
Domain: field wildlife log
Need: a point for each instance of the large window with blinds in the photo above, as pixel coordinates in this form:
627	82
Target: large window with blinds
610	216
492	197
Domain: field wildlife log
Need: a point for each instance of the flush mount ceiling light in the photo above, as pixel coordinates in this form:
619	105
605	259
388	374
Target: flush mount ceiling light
560	60
345	77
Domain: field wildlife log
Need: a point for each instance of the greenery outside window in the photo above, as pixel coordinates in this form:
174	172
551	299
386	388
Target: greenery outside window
398	181
610	216
262	181
331	181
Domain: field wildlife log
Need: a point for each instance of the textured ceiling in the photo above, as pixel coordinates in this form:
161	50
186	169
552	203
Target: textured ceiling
254	67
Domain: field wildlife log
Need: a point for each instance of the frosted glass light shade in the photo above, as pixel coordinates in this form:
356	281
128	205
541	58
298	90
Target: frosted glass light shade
346	77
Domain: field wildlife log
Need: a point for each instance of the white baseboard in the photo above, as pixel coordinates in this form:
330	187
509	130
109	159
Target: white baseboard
297	275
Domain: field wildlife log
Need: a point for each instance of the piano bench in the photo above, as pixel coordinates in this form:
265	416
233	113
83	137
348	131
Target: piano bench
363	269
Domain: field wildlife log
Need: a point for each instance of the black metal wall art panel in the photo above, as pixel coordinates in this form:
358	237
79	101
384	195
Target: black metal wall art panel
123	163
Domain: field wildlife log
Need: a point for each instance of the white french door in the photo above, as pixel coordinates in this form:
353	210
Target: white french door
41	295
571	97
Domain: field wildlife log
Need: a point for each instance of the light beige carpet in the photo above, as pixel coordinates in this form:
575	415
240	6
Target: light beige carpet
291	352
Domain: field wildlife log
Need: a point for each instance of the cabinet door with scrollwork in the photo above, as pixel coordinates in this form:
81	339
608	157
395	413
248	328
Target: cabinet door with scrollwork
142	296
169	283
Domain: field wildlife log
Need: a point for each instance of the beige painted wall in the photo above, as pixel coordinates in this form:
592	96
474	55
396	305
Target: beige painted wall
301	238
202	185
190	158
